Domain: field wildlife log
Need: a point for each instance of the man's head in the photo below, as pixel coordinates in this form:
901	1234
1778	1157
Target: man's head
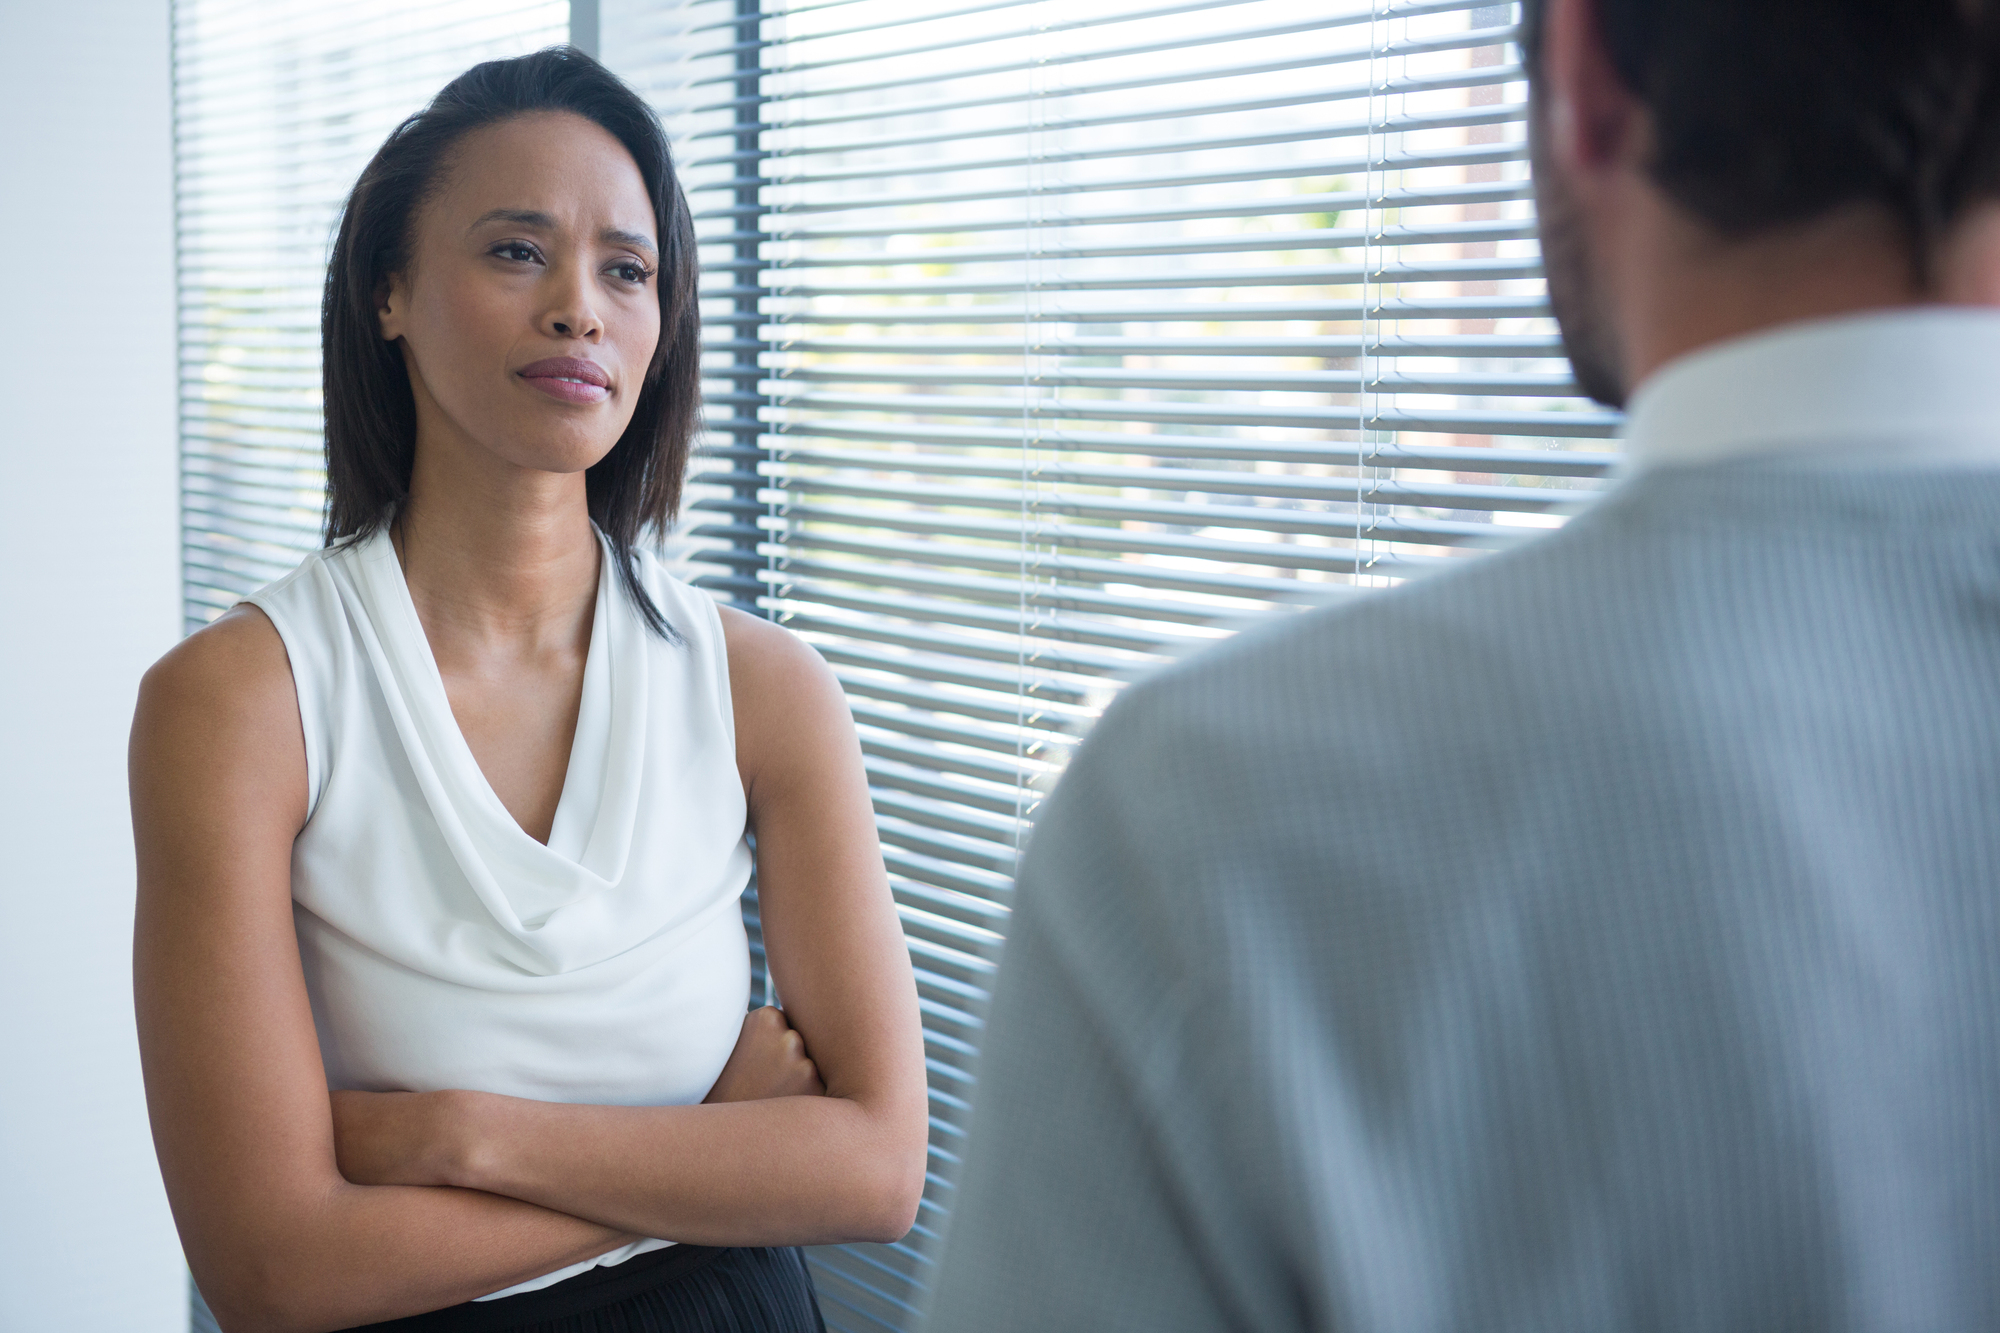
1748	125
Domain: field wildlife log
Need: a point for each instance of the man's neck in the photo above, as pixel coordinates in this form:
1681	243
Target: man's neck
1685	288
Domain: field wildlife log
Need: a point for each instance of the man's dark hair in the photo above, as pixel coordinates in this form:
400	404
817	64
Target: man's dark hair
1773	112
371	417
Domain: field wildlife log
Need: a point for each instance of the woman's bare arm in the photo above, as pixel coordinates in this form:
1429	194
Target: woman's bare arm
845	1166
277	1239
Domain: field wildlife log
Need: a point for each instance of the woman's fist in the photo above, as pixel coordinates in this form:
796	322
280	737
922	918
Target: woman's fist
770	1060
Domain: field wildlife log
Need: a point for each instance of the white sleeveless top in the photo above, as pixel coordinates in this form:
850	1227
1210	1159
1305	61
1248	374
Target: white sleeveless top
443	946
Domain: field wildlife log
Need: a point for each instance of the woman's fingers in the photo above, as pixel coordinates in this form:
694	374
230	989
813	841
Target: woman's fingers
802	1074
770	1060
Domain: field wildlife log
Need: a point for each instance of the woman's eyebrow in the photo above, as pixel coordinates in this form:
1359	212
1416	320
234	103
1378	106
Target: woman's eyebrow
528	217
631	238
520	217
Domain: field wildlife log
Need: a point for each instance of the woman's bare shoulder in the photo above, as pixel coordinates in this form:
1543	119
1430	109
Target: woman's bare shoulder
788	703
763	652
235	663
222	699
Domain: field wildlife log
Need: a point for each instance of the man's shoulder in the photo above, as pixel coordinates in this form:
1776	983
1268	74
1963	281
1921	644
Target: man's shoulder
1495	619
1341	763
1653	648
1312	703
1420	725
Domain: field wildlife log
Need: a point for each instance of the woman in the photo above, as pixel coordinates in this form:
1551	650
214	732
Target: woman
453	819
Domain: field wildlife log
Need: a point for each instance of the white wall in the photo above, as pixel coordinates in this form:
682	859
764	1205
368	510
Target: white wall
89	591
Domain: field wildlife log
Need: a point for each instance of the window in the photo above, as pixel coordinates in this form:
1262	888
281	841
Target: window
1046	339
277	107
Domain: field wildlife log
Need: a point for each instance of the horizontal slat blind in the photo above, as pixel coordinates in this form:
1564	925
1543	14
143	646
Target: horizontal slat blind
1062	336
698	63
1044	340
277	107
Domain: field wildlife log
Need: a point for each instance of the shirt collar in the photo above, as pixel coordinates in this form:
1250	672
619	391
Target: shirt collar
1917	385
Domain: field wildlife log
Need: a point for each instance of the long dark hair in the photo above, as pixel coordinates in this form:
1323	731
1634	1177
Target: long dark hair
371	416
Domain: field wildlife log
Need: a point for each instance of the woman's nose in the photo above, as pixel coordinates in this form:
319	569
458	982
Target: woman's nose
574	324
571	313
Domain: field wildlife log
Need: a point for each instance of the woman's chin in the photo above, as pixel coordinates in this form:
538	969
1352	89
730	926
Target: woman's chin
562	458
561	441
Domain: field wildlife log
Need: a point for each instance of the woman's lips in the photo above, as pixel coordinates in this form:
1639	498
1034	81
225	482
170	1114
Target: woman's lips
568	379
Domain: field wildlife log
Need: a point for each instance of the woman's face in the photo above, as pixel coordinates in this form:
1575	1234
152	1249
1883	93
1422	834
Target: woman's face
529	312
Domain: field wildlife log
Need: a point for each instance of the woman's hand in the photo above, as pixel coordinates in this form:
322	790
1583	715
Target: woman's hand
415	1138
770	1060
396	1138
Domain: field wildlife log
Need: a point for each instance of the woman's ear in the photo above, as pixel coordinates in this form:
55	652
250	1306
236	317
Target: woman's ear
391	300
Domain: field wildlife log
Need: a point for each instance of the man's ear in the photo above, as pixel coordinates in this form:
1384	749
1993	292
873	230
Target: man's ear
1592	118
392	299
1968	259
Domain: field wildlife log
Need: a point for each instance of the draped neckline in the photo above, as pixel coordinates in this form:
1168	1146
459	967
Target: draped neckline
528	885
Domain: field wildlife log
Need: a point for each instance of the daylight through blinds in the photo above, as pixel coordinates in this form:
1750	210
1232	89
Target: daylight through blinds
1048	340
1045	339
277	107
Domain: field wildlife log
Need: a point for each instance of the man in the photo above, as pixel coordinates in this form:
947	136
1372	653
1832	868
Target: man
1605	934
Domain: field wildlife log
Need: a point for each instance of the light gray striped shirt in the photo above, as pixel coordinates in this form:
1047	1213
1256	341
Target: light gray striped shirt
1604	934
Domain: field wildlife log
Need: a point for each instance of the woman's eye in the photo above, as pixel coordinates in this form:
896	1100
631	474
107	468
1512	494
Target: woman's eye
632	272
517	250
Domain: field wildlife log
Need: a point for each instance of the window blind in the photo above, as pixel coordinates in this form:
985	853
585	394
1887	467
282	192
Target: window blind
1044	341
276	110
1048	340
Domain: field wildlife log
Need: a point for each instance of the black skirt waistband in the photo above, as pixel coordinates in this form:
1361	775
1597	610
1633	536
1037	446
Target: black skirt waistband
589	1290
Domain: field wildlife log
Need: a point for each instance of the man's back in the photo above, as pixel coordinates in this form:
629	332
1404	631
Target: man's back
1603	934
